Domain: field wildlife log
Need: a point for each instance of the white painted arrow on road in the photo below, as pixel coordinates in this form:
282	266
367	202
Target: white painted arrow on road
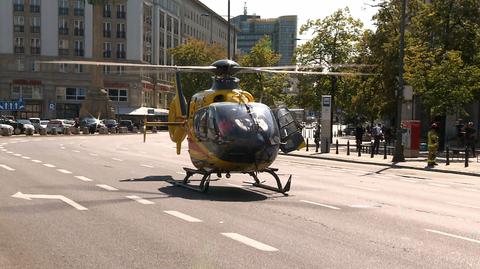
44	196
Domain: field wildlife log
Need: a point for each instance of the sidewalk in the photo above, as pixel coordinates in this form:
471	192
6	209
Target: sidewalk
457	165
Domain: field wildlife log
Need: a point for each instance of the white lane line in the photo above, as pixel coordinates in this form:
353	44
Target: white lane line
106	187
249	242
146	165
409	180
463	205
438	185
25	157
364	206
76	151
18	155
319	204
236	186
82	178
118	160
62	147
3	149
140	200
36	161
471	189
180	215
64	171
454	236
49	165
9	152
7	167
93	154
361	188
181	173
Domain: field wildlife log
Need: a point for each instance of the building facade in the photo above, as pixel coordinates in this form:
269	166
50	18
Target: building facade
138	31
282	32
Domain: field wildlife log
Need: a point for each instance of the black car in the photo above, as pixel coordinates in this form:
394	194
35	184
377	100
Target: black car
92	124
126	123
110	123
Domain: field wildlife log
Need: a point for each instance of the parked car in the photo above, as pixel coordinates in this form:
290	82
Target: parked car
7	127
59	125
93	124
24	125
126	123
43	124
36	123
110	123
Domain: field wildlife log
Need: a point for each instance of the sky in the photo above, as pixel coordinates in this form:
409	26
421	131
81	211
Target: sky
304	9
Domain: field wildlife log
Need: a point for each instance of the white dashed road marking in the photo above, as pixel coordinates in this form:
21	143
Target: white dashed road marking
454	236
361	188
9	152
471	189
236	186
364	206
146	165
76	151
18	155
25	157
36	161
106	187
93	154
6	167
319	204
49	165
438	185
118	160
249	242
180	215
140	200
463	205
409	180
64	171
82	178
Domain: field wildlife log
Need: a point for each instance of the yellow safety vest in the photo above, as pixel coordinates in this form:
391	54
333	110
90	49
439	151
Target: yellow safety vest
432	139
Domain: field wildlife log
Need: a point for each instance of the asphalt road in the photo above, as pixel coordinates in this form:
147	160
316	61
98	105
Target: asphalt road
103	202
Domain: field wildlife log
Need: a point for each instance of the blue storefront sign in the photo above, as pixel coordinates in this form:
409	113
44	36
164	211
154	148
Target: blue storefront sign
12	105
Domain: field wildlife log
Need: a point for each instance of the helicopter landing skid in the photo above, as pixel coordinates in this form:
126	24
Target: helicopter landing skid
204	182
271	171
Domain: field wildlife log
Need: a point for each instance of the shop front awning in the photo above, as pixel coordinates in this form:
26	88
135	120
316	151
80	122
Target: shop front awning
141	111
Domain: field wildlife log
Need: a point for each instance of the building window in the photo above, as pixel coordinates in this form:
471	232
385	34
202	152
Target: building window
175	26
35	67
62	68
79	51
70	93
79	28
26	92
63	47
121	51
35	46
78	68
19	45
63	27
18	5
106	69
79	9
169	23
120	70
162	20
34	6
118	95
107	11
20	65
121	14
107	50
18	24
107	29
35	24
62	7
121	30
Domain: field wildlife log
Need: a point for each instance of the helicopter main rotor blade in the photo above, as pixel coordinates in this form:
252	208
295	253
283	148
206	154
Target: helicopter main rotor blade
317	73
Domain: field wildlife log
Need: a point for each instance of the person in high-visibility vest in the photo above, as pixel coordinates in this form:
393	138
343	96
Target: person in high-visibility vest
432	145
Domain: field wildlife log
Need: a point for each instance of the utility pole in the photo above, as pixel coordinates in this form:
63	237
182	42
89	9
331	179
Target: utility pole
228	38
398	155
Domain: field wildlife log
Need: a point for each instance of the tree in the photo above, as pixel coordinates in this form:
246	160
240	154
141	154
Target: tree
266	88
196	52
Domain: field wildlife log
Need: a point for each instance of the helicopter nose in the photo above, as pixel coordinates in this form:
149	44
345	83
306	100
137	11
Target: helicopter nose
252	150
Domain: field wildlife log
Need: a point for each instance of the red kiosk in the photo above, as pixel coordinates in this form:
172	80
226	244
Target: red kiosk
411	138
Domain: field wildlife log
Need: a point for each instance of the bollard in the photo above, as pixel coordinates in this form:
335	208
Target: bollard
371	149
327	148
466	157
307	144
336	147
359	150
348	147
384	151
448	156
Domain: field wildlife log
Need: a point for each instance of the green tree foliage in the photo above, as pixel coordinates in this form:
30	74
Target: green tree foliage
196	52
335	41
266	88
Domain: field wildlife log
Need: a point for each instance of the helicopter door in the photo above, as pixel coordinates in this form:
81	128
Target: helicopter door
290	130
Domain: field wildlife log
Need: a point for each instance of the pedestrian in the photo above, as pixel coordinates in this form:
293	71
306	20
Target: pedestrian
469	133
316	137
377	136
359	131
433	140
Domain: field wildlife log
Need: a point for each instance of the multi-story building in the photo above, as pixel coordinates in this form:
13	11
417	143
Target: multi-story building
282	32
138	31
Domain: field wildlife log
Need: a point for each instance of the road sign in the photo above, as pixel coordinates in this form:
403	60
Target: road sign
51	105
12	105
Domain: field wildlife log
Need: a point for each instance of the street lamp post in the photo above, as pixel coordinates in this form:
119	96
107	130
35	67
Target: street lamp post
398	155
228	38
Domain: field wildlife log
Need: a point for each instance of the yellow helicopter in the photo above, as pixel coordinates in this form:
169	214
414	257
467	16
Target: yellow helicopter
227	131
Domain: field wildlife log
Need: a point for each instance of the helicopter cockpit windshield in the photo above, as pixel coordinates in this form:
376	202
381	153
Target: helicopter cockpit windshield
232	122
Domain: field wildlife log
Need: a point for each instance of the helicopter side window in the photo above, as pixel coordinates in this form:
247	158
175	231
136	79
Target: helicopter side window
200	123
212	132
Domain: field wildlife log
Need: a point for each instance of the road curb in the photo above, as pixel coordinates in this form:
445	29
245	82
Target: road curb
384	164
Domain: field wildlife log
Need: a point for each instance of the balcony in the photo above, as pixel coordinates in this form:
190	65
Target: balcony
63	52
78	32
107	54
107	33
79	12
121	34
35	50
63	11
18	8
107	14
34	9
121	14
35	29
121	55
63	31
79	52
19	49
18	28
